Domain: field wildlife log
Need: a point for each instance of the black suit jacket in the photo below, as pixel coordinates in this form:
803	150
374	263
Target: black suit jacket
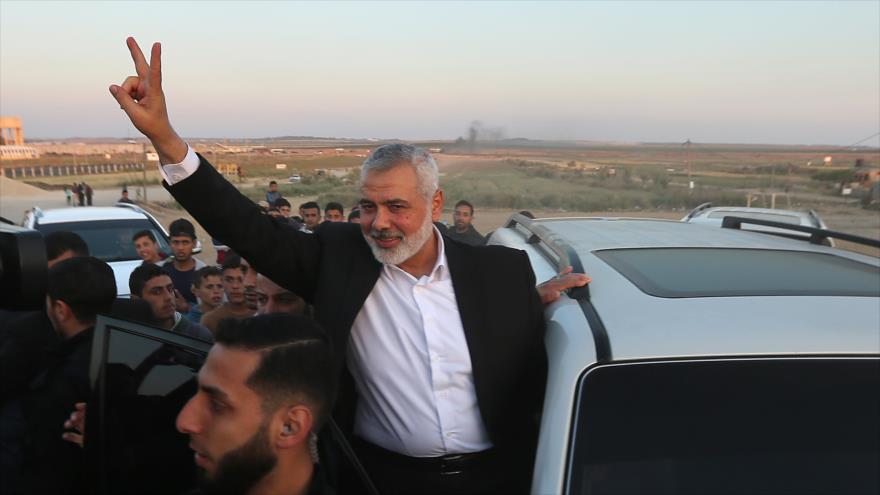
334	270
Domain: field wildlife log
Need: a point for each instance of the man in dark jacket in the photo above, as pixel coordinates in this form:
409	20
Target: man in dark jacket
78	290
463	229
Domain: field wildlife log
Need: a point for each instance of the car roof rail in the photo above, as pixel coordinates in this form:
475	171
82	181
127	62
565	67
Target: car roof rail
817	236
698	209
130	206
556	249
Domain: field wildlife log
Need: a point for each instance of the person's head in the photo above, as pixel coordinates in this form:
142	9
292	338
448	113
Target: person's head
207	285
250	284
354	216
334	212
183	239
78	289
272	298
152	284
311	214
264	205
463	215
265	389
146	246
400	199
125	193
283	206
64	245
273	186
233	279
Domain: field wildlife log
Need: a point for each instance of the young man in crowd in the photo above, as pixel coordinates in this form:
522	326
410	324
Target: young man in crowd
283	206
26	337
311	214
273	194
182	266
152	284
272	298
250	285
236	303
463	230
354	216
265	390
147	247
125	198
333	212
208	288
78	290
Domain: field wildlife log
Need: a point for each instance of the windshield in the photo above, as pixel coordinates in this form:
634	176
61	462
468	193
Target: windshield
732	426
109	240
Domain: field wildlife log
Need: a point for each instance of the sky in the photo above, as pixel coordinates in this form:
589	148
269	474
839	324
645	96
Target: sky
733	72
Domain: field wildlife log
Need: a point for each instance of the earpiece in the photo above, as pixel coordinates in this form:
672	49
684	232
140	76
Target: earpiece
286	430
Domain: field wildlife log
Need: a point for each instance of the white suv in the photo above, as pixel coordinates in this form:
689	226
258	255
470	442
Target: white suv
705	360
106	230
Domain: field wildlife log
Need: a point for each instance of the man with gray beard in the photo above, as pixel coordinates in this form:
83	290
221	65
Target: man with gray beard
444	341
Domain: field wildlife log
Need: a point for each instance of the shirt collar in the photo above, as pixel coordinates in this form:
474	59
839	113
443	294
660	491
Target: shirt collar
438	273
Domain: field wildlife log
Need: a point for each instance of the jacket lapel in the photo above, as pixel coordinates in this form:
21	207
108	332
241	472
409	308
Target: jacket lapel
470	297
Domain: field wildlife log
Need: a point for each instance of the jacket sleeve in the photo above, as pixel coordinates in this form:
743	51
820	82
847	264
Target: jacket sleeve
289	257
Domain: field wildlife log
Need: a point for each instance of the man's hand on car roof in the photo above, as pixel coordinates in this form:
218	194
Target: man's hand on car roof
552	289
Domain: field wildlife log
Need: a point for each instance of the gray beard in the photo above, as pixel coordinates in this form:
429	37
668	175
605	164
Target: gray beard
407	248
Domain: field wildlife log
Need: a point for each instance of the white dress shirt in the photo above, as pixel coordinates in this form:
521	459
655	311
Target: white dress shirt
409	360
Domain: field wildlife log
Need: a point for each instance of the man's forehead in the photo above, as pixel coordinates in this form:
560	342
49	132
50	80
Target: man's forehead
161	280
227	370
398	178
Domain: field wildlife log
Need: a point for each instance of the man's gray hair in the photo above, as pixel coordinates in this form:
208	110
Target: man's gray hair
388	156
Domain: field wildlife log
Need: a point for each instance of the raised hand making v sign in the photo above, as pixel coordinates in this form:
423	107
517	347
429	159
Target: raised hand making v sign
142	99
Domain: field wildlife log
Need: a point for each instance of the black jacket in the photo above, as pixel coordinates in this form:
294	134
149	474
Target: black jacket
334	270
51	464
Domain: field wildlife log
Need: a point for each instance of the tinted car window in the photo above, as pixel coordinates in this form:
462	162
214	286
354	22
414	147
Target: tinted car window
144	382
741	426
109	240
709	272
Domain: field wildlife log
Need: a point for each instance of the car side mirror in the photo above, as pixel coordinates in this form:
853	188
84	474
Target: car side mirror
198	248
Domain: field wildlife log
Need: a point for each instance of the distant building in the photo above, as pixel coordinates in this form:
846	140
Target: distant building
12	141
18	153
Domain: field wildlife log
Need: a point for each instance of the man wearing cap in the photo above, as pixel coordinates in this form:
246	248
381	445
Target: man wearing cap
182	266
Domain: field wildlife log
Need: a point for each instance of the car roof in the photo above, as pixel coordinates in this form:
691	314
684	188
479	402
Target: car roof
642	326
83	214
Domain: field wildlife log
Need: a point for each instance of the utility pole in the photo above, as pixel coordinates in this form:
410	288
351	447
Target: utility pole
687	163
144	169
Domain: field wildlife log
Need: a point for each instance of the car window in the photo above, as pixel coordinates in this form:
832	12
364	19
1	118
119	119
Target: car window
144	376
728	426
713	272
109	240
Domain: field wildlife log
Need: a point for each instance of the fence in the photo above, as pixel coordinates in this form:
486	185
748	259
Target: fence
61	170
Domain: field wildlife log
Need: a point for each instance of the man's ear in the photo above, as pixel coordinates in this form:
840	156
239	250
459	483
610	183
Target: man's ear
61	310
292	426
437	205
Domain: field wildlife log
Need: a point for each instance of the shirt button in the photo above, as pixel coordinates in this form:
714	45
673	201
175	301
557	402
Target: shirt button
450	434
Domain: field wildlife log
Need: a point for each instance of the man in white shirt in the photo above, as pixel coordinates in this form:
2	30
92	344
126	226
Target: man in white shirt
444	341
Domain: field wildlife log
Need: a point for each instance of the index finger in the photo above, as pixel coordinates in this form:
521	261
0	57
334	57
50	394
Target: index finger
140	63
